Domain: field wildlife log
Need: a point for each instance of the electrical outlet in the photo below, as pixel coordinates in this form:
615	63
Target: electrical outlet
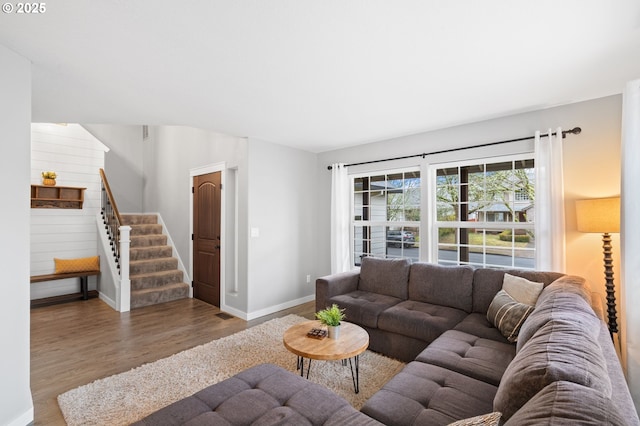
308	278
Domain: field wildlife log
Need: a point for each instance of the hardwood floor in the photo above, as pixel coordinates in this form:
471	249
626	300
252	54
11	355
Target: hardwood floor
75	343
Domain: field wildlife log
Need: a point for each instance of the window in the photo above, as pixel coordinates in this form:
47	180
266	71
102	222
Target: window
386	218
484	213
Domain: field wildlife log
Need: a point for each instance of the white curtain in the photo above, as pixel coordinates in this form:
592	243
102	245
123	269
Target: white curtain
340	214
549	203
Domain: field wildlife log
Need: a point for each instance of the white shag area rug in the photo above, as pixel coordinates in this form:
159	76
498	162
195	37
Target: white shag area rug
127	397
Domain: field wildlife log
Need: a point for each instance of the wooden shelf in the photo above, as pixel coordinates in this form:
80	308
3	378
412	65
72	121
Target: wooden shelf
60	197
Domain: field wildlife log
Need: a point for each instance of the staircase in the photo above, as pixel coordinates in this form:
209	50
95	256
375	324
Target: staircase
154	274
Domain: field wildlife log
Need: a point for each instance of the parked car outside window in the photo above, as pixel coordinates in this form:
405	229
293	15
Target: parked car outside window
400	238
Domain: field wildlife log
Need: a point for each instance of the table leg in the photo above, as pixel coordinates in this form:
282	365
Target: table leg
300	366
355	377
84	287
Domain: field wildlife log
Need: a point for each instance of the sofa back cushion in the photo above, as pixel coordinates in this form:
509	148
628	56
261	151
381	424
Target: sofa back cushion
566	298
488	282
385	276
561	350
442	285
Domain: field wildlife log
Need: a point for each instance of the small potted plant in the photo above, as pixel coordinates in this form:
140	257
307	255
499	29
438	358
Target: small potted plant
331	317
49	178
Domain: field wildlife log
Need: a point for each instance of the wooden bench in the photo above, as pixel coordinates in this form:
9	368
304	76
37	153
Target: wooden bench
84	293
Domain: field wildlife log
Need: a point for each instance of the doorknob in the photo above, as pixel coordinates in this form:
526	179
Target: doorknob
218	247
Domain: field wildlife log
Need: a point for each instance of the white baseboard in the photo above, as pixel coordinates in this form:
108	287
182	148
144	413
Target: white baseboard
233	311
108	301
25	419
280	307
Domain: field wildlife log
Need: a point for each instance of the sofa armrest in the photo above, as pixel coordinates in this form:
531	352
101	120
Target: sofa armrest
332	285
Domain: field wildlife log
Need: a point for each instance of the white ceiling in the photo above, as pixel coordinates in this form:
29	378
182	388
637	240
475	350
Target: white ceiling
320	74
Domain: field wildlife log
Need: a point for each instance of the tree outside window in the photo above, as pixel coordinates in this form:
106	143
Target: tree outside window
485	213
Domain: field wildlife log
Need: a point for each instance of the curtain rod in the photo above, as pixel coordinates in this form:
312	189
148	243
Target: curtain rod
575	131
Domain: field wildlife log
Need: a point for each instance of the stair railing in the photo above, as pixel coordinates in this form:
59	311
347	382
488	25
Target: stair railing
119	240
111	217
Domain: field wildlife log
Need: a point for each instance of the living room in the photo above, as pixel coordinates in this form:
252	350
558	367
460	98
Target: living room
295	186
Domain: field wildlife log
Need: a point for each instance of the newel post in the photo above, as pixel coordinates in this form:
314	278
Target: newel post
125	282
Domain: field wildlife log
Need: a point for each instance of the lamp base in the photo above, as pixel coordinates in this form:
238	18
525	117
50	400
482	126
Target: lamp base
610	287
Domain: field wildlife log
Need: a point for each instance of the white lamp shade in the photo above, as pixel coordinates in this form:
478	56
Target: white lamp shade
599	215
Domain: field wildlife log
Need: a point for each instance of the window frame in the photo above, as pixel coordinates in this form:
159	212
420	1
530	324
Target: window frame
433	224
402	224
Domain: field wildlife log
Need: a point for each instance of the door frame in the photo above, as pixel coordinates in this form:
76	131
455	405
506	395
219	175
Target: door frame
204	170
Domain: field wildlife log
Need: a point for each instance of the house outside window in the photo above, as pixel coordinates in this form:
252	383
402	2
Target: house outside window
386	215
484	212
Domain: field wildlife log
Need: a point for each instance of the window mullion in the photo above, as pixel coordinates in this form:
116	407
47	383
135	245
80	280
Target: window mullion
483	212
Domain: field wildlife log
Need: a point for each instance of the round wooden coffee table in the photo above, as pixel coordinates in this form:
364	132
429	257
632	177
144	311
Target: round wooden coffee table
353	341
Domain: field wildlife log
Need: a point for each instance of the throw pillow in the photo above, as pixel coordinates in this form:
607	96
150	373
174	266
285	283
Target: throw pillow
507	315
66	266
491	419
521	289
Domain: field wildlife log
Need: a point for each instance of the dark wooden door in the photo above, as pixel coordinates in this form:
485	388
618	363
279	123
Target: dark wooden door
206	238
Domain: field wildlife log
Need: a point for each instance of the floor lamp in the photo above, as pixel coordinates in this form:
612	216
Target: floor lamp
602	216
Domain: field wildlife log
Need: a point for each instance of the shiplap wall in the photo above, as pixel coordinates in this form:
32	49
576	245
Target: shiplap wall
76	156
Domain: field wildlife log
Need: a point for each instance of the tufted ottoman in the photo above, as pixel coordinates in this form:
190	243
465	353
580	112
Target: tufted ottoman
425	394
262	395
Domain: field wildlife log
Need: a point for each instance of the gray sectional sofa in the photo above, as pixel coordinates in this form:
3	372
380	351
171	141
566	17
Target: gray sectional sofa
472	349
530	345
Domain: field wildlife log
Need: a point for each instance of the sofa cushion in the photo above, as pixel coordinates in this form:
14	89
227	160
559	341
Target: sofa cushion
470	355
567	403
565	298
442	285
521	289
478	325
507	315
385	276
560	350
429	395
419	320
363	307
487	282
265	394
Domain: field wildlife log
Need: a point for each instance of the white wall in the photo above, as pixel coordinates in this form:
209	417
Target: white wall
269	187
76	156
282	208
169	155
123	163
592	167
16	405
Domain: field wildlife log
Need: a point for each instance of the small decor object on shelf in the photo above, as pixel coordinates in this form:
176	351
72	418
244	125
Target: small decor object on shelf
331	317
317	333
49	178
